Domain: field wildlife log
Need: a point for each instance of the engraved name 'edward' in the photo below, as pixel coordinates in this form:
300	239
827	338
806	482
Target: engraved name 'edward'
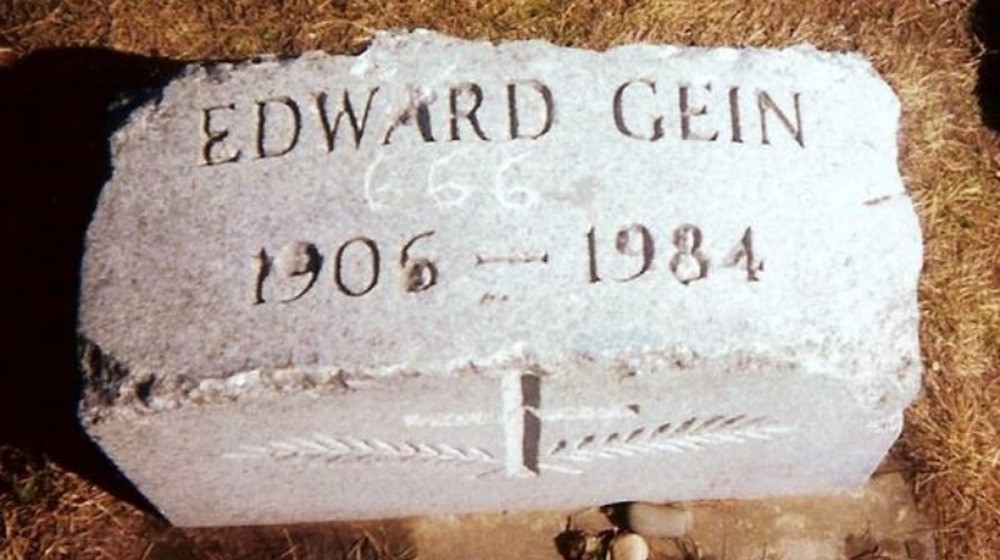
640	109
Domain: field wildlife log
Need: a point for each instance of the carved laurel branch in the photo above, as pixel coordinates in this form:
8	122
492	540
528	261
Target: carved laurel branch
350	449
690	435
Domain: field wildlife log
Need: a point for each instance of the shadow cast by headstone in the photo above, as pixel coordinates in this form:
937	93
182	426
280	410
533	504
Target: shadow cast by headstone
363	540
54	125
984	22
54	128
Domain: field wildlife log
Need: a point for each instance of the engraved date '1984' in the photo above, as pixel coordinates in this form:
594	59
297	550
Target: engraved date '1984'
357	265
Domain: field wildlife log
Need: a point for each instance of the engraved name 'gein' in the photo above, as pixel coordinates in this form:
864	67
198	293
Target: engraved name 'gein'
640	109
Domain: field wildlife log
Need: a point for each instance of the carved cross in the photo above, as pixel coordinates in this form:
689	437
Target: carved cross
521	418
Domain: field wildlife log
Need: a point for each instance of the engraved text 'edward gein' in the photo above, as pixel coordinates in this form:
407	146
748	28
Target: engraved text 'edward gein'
449	275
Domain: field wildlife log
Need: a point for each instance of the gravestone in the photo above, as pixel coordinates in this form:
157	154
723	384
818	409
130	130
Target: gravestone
453	276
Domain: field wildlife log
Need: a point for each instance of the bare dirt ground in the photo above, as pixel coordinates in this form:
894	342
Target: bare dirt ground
879	522
67	517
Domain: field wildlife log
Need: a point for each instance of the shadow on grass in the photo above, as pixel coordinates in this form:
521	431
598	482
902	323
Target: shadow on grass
53	139
314	541
984	19
54	127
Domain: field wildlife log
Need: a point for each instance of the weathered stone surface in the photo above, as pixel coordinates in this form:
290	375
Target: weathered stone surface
507	276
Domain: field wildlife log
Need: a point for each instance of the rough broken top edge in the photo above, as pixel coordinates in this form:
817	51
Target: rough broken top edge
112	389
132	102
398	36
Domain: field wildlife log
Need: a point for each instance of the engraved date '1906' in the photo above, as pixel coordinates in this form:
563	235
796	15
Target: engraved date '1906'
357	263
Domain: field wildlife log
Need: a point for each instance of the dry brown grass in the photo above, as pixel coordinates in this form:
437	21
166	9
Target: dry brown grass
49	513
924	49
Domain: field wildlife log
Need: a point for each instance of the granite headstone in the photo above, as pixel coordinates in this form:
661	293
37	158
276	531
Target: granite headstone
451	276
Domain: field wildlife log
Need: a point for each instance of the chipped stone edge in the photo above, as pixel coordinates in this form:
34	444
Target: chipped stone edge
216	71
395	37
111	388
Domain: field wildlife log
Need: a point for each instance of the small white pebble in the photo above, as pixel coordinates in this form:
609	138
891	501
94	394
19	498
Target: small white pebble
629	546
